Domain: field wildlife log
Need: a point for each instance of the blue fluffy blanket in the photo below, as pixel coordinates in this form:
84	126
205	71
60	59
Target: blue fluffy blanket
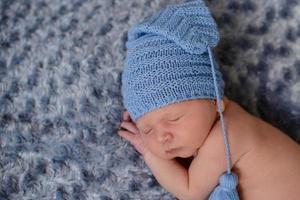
60	99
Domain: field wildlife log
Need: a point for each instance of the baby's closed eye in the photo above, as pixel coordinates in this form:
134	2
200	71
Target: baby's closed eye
172	120
146	132
169	120
176	118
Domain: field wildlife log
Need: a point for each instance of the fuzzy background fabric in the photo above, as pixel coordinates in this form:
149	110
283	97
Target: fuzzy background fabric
60	99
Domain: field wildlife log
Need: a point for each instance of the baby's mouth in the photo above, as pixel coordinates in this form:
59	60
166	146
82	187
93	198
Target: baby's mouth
170	151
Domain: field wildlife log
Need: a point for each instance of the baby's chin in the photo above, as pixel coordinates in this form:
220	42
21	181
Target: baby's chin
187	154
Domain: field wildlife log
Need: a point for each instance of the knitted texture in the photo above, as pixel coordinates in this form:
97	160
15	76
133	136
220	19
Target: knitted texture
167	59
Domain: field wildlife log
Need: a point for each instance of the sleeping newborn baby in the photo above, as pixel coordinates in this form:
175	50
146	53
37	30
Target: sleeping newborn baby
266	161
173	91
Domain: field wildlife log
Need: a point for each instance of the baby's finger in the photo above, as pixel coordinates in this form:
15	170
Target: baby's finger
127	135
129	126
126	116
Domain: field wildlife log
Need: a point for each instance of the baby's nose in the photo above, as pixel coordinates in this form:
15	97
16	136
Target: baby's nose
164	137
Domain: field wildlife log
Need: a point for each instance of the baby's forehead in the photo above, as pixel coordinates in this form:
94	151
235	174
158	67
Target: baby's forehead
182	105
160	113
169	110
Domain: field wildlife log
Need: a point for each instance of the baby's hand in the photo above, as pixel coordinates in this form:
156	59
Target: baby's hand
131	133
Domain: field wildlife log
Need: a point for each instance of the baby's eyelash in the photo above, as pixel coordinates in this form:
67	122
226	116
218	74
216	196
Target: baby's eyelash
173	120
147	131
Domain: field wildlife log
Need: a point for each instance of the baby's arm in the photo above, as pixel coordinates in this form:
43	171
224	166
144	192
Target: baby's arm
198	181
170	174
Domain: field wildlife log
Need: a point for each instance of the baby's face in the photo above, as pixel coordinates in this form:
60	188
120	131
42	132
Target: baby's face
184	126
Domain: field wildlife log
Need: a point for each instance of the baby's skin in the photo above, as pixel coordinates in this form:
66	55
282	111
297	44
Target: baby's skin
266	160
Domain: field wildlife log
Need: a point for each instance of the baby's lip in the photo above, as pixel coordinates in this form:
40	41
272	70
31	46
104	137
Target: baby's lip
172	150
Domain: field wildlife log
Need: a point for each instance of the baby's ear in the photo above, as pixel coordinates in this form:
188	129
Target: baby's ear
222	105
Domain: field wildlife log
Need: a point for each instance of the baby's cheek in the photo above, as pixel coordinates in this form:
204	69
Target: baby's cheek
193	138
153	143
148	141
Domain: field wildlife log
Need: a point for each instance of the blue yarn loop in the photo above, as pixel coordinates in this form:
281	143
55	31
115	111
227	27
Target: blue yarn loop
226	190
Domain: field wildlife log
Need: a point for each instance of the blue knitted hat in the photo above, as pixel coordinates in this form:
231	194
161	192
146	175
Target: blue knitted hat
168	59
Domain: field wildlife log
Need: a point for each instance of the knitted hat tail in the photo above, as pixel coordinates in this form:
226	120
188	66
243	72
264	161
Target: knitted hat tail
190	25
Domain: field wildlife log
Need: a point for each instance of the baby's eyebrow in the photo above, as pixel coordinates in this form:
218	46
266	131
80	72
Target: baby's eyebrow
165	116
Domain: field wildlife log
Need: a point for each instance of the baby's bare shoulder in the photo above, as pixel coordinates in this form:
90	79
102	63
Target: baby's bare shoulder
270	157
240	126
